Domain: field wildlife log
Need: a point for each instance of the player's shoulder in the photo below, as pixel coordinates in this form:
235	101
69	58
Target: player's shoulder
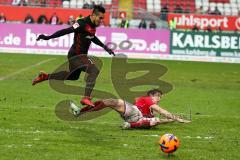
81	20
146	97
143	98
147	100
79	23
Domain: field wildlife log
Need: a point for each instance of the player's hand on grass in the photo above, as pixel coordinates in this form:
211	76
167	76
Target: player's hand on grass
42	36
109	50
183	120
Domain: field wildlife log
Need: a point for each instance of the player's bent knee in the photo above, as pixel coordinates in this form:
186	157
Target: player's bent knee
114	103
110	102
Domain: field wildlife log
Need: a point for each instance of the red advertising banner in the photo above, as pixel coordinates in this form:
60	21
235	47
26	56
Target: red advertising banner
188	21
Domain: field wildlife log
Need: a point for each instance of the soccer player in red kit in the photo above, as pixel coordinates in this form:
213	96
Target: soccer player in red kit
84	33
139	115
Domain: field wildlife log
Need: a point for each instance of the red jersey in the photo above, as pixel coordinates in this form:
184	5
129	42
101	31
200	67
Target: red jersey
144	103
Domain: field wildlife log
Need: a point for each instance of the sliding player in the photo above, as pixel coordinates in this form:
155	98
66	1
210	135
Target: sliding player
139	115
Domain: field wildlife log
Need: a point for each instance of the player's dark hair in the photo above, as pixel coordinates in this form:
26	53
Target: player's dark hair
154	91
98	8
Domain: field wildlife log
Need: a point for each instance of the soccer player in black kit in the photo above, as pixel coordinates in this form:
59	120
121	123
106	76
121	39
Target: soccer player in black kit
84	33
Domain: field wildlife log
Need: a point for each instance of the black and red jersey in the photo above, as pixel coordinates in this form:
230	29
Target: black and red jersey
84	34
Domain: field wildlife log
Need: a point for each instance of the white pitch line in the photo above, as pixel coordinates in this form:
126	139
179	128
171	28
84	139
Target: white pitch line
26	68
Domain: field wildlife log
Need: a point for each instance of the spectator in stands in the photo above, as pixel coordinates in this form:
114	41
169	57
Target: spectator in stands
42	19
195	28
172	24
79	17
142	24
23	3
219	29
165	9
209	28
15	2
91	6
71	20
124	23
28	19
19	2
178	9
54	20
42	3
164	12
2	18
100	3
216	11
152	25
199	10
86	5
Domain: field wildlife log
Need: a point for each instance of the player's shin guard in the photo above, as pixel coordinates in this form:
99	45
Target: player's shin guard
140	124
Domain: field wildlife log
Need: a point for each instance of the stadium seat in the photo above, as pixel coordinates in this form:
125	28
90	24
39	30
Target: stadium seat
79	3
212	7
54	3
205	5
199	4
114	8
234	11
150	7
220	7
185	5
142	4
66	4
233	4
157	6
233	1
227	9
139	6
73	4
87	1
6	1
108	2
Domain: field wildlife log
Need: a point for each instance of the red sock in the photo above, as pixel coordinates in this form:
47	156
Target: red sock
98	105
140	124
46	76
85	109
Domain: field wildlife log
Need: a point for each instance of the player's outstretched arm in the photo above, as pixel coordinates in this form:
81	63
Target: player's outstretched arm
99	43
57	34
167	114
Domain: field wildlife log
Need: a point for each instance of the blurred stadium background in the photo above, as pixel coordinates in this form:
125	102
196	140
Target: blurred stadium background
174	19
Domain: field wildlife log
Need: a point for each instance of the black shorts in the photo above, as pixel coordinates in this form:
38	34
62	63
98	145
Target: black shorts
79	63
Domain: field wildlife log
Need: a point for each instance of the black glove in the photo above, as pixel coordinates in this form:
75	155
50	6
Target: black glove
42	36
109	50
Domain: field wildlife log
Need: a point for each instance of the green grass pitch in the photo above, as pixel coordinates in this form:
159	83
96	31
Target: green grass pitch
29	128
